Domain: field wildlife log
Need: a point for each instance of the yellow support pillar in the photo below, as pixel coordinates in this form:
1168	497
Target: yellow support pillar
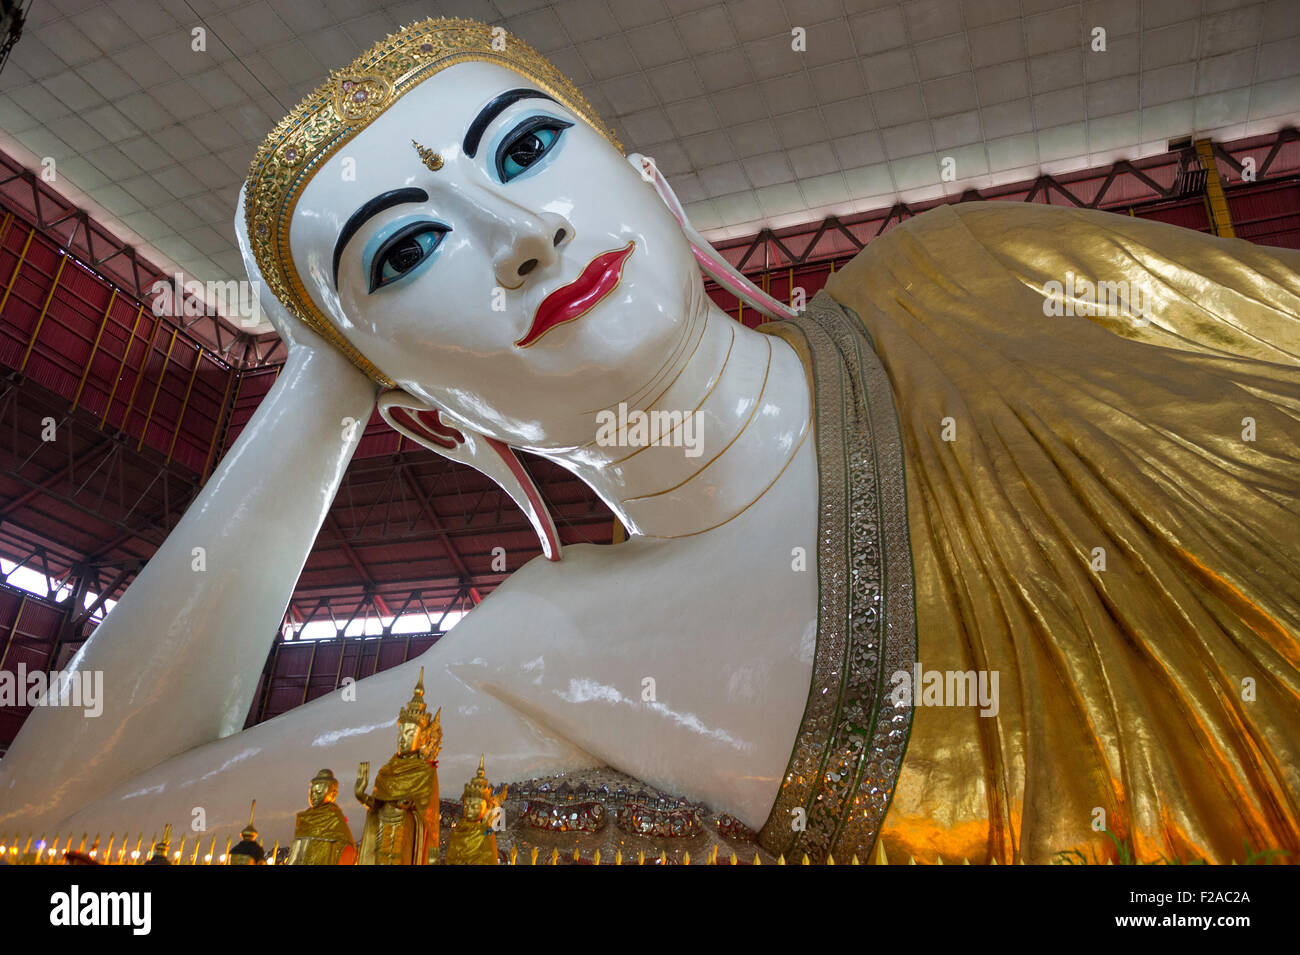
130	340
40	319
13	276
94	349
185	405
162	373
1216	203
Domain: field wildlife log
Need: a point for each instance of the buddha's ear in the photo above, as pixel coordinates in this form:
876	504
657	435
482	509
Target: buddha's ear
421	422
710	261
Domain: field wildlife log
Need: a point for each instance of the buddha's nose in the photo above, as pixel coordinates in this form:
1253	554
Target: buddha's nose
531	249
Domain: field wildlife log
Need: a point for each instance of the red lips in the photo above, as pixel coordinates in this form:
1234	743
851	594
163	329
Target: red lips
598	279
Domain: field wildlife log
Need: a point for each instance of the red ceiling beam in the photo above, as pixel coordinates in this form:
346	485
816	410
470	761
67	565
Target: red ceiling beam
440	531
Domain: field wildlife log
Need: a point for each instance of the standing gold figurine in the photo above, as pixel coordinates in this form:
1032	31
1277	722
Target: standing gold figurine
402	812
473	840
320	832
248	851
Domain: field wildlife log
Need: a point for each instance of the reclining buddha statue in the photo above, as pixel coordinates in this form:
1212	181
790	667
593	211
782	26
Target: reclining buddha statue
934	468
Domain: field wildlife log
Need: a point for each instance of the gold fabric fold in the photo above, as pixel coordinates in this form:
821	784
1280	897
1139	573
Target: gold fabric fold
1157	698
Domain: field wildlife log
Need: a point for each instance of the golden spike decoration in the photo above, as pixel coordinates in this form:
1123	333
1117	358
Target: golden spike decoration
757	860
881	858
274	849
533	857
514	855
555	857
576	857
911	860
180	851
135	856
81	846
735	861
805	860
938	860
830	859
854	860
686	858
225	856
640	857
618	857
198	847
595	859
780	860
663	857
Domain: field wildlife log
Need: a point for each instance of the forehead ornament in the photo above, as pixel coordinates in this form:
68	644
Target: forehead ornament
428	156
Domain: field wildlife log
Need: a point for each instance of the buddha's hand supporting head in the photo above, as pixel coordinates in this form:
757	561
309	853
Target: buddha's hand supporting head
450	213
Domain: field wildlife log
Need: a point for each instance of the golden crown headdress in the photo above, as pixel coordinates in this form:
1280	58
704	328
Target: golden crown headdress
346	104
480	787
249	833
415	710
162	845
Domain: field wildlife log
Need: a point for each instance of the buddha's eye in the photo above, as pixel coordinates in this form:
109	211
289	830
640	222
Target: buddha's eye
405	250
526	144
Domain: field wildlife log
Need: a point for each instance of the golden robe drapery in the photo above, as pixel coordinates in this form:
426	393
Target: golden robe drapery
1113	524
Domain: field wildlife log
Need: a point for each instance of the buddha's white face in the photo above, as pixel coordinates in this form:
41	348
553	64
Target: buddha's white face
532	280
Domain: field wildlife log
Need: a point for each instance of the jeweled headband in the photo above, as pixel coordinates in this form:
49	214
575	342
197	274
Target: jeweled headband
346	104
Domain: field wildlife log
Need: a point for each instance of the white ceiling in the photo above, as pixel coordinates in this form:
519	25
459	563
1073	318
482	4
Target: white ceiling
154	139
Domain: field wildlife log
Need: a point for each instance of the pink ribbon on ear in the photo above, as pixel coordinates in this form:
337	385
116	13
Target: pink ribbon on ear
708	258
423	424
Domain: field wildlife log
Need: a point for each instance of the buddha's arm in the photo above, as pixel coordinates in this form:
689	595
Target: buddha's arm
270	761
181	653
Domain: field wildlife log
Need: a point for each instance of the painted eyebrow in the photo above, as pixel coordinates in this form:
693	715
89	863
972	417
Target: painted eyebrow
491	111
373	207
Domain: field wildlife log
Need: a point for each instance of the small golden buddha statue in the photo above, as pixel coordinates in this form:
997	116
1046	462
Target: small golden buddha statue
473	840
402	812
248	850
321	832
